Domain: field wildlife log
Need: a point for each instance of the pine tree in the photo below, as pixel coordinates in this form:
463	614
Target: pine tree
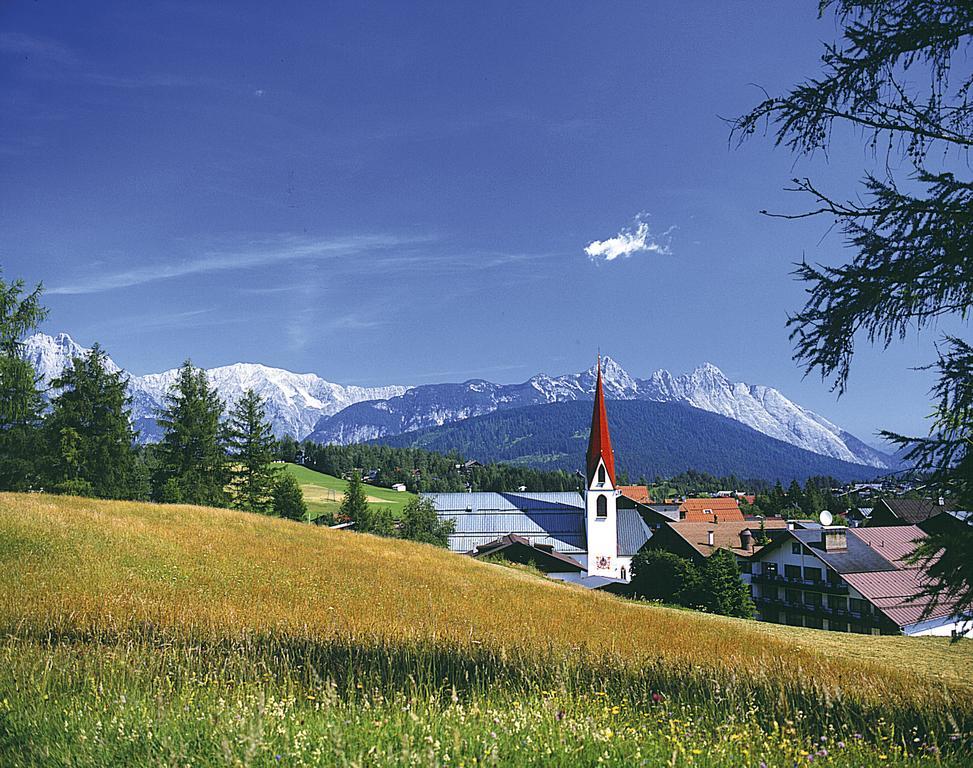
89	432
191	465
250	441
20	401
723	589
421	523
354	505
288	499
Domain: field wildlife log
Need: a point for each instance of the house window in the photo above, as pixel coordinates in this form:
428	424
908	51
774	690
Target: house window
792	596
837	603
601	473
623	573
838	626
602	506
792	571
769	591
770	569
744	565
812	598
795	620
812	574
795	548
858	606
813	622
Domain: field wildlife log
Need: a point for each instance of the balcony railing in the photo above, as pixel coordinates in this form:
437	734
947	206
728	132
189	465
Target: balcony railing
843	614
789	581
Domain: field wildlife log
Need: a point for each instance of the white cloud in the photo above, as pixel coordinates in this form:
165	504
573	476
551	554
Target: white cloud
628	242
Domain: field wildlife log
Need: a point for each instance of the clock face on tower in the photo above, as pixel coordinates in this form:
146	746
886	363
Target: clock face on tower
604	563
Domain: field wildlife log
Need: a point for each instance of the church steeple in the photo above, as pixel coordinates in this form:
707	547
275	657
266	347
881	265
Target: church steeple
599	443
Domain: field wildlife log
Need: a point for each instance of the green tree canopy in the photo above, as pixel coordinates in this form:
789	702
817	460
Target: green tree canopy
288	499
723	590
661	575
191	460
20	400
89	432
891	79
251	447
421	523
354	505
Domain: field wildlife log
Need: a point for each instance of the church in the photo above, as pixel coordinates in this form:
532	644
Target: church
587	537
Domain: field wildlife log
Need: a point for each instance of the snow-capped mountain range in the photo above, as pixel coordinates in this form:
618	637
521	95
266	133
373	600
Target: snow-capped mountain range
307	406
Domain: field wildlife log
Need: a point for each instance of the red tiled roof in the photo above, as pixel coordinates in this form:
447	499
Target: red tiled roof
726	535
639	493
695	510
599	443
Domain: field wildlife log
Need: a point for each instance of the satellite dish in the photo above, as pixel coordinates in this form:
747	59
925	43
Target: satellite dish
826	518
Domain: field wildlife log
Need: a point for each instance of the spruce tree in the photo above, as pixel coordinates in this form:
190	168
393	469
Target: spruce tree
89	431
192	464
661	575
723	589
354	505
20	400
288	499
251	453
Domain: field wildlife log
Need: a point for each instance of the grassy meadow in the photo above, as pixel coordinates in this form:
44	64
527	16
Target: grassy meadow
142	634
323	493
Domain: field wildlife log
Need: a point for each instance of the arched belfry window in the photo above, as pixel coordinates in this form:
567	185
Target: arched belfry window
601	473
602	506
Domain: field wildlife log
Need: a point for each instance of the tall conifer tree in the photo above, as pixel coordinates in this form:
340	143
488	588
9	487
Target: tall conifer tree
251	452
20	401
192	467
89	431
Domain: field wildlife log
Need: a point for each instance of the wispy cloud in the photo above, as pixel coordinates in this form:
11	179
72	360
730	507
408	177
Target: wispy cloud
265	254
629	242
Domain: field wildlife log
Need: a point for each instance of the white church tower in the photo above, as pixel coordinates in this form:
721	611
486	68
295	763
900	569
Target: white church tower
600	494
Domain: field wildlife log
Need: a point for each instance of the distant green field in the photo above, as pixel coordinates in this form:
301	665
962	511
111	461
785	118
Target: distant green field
323	492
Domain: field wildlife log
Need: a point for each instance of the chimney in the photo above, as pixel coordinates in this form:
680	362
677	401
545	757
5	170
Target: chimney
835	538
790	525
746	540
709	538
716	519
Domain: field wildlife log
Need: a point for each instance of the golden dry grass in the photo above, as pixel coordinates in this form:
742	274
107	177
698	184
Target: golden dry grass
105	565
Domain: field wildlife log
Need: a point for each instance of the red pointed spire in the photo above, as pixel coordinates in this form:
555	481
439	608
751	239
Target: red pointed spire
599	443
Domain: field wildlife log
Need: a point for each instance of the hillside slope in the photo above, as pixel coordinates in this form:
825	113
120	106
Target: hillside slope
151	635
649	438
103	564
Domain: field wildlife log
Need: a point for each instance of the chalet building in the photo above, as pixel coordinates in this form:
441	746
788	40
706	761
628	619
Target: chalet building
847	580
932	516
698	540
588	537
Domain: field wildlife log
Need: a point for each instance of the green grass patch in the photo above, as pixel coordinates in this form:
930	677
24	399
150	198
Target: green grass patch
323	493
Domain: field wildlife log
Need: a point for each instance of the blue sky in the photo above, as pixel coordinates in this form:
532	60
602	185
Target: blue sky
404	192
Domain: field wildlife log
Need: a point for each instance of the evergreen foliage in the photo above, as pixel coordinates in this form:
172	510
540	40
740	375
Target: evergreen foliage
892	78
421	523
723	590
191	460
421	470
20	401
661	575
251	448
354	505
288	499
89	435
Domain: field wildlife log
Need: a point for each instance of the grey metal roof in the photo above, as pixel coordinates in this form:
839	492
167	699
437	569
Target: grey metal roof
555	518
670	511
857	558
632	532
